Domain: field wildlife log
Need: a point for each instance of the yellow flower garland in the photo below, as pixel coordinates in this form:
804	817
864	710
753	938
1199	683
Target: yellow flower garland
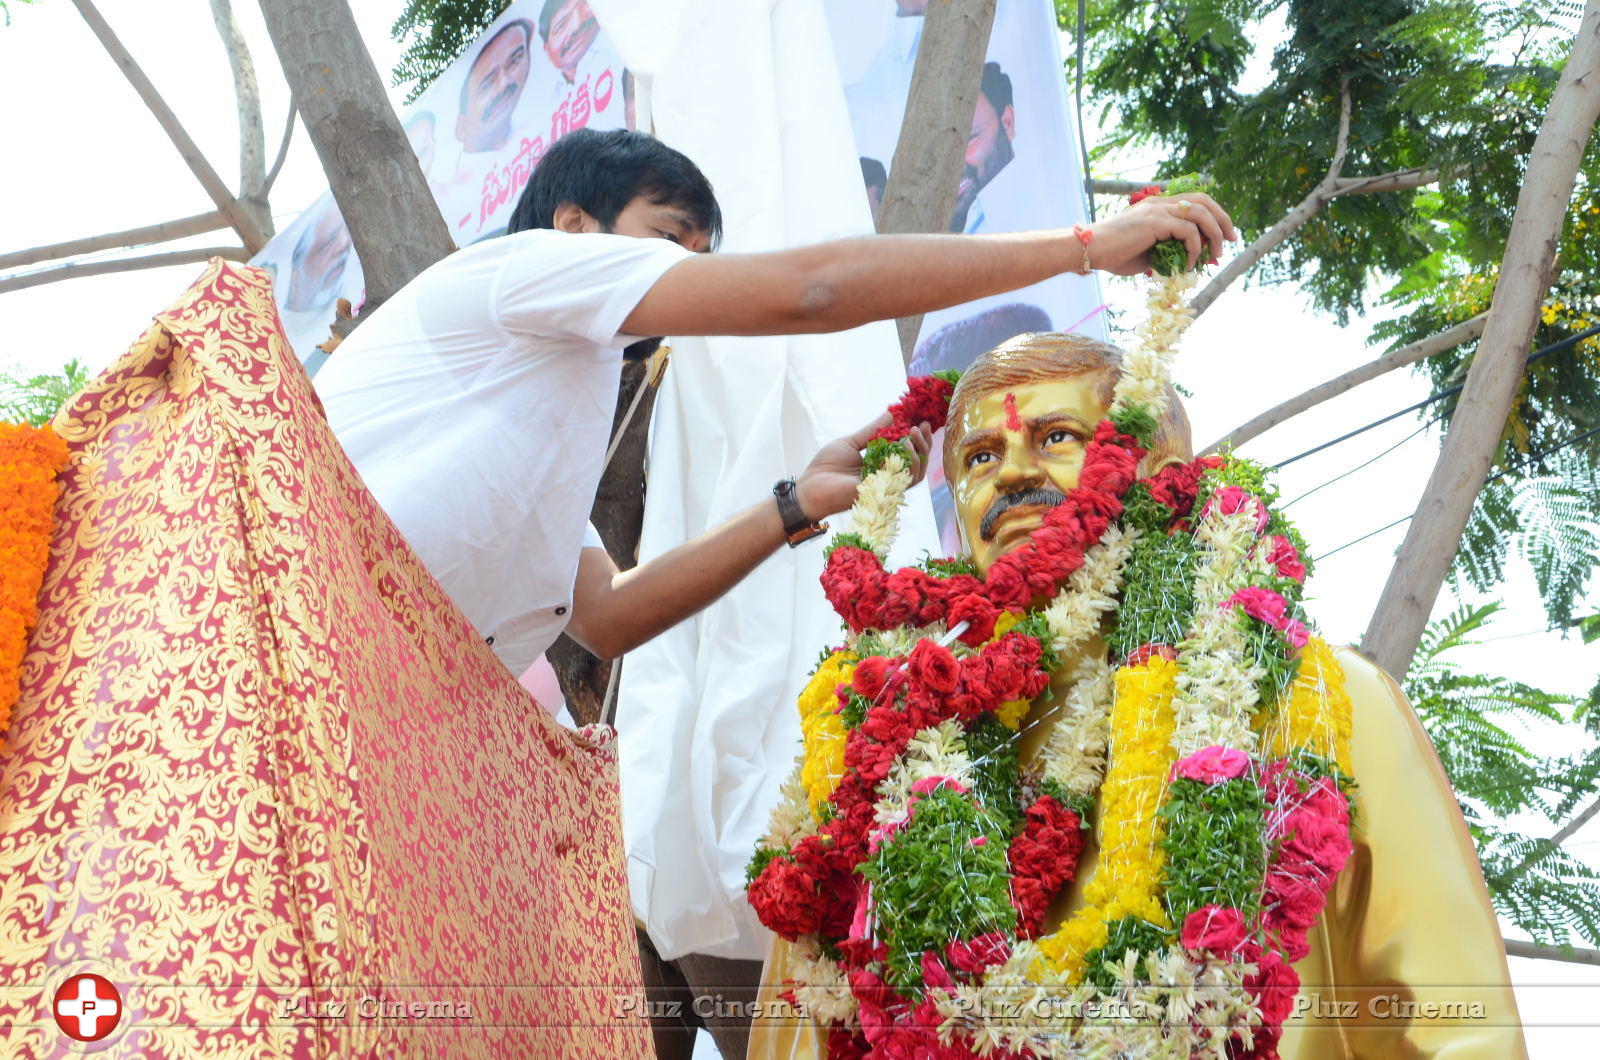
1127	881
1314	712
823	731
30	459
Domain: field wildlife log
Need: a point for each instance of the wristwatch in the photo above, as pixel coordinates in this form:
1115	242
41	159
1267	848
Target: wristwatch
797	526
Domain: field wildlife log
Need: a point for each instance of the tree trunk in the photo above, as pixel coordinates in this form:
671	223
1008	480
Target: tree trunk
926	171
247	101
376	181
1491	385
618	515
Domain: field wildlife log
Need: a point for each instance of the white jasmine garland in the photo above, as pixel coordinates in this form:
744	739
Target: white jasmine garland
791	819
875	516
1075	754
1165	1005
940	751
900	640
1217	674
822	990
1091	591
1148	368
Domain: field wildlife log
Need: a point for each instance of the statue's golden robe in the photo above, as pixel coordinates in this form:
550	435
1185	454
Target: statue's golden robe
1408	936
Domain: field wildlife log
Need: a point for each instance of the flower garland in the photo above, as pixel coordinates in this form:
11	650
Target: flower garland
30	460
915	858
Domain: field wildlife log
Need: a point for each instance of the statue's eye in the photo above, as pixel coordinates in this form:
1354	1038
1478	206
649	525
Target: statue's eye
982	456
1057	436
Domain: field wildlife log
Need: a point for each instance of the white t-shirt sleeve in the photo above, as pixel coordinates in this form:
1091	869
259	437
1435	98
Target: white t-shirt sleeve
583	285
591	537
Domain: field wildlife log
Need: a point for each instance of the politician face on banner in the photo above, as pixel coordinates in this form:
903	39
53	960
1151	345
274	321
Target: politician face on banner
994	126
568	28
419	133
317	264
492	87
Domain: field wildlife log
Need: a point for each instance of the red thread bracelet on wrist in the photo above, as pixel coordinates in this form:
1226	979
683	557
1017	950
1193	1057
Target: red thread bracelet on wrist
1085	236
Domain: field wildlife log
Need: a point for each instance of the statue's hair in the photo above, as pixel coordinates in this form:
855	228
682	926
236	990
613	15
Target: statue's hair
1039	356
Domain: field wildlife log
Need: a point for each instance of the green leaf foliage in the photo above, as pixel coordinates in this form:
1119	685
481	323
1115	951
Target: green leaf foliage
1124	934
435	33
36	399
930	884
1216	846
1157	593
1474	720
995	767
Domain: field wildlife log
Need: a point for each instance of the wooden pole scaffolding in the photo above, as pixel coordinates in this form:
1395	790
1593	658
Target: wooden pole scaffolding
238	217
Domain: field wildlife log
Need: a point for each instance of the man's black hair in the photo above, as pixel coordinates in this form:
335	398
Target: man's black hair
873	174
996	87
517	23
601	172
547	15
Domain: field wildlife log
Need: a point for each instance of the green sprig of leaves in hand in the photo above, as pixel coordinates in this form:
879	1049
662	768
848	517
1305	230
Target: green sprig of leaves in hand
1170	257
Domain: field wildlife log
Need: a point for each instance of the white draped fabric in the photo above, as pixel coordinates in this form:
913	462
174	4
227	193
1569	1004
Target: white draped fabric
706	713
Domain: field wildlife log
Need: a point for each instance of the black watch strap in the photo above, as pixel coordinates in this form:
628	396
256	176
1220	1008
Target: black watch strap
797	526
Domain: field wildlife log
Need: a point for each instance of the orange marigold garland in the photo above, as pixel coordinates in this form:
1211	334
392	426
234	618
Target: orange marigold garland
30	459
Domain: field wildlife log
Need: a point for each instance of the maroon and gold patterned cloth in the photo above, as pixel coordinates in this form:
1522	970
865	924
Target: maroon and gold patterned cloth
264	776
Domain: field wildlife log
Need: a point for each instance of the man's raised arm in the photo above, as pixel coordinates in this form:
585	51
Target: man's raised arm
845	283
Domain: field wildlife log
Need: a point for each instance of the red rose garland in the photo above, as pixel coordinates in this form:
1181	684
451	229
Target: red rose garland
1044	858
868	597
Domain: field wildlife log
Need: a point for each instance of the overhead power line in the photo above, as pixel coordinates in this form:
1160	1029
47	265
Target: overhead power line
1559	346
1519	465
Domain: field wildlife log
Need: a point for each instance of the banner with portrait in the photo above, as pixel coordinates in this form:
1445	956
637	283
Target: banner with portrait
541	70
1022	169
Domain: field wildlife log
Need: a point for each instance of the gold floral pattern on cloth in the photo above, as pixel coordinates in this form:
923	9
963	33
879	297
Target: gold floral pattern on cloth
263	775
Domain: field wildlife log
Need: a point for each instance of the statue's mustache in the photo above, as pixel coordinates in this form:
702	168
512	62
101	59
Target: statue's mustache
1043	496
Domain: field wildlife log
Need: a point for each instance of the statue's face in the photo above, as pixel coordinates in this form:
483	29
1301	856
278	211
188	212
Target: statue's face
1018	453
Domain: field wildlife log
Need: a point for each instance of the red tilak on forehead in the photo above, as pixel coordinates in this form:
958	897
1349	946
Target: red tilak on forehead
1013	420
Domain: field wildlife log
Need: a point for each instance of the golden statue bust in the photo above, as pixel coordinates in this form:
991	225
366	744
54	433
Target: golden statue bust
1405	959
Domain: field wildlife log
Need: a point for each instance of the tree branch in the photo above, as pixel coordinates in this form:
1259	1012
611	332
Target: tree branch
1570	954
1291	222
132	237
1121	187
283	151
1570	829
1341	145
238	218
1399	180
1566	832
1420	350
98	268
247	102
376	180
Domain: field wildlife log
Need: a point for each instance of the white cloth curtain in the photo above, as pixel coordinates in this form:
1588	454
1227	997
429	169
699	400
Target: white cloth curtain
750	91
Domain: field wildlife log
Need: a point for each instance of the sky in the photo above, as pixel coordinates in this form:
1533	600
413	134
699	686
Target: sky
86	157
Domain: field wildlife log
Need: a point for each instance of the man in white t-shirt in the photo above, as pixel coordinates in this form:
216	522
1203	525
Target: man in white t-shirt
476	402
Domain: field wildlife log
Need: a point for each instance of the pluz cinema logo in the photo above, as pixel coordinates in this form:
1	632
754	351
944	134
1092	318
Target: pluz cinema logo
87	1007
